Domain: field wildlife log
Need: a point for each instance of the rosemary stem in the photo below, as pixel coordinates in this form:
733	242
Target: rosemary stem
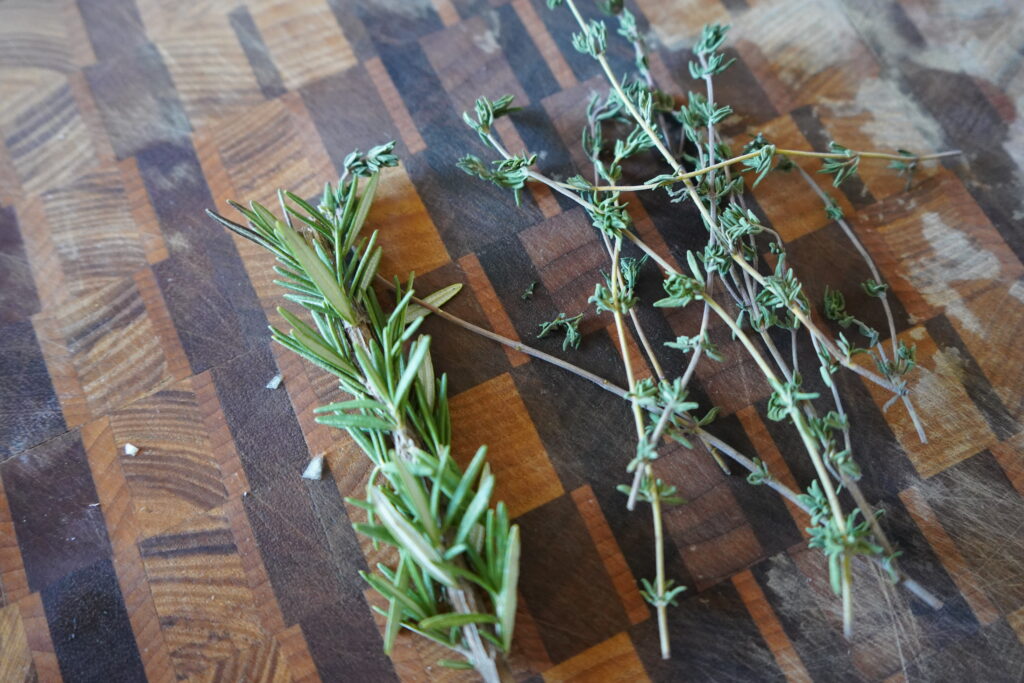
461	596
479	657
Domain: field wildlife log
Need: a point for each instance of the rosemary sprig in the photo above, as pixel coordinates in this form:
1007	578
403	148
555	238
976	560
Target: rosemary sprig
457	558
730	260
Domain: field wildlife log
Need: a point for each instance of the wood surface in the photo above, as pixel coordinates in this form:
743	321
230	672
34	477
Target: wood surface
126	316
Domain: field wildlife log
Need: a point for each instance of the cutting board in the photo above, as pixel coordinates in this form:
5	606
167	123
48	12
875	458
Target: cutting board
128	317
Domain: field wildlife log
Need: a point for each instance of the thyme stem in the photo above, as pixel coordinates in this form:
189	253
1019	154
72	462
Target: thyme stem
680	176
655	364
512	344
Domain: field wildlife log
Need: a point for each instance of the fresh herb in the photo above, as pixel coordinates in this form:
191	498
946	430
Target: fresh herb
728	281
841	167
528	292
432	512
569	327
456	564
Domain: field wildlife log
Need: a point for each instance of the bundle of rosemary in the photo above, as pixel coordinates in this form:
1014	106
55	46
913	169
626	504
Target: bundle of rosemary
742	276
456	558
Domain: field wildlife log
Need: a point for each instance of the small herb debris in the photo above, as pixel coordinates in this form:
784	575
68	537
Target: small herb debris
570	328
456	559
751	304
528	292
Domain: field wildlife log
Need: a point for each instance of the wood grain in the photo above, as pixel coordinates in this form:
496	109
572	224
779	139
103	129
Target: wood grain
127	317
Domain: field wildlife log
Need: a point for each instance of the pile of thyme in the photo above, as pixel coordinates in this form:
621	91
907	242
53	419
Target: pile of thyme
730	279
456	559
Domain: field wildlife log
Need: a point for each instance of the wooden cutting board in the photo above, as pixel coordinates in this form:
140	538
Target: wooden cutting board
126	317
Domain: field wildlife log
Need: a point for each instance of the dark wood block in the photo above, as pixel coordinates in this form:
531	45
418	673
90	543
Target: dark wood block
30	409
89	626
54	507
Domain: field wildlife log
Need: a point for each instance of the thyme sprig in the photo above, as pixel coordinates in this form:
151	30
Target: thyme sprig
454	576
730	260
758	160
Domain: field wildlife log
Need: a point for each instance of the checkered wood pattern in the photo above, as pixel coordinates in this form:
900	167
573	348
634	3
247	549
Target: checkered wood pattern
126	316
